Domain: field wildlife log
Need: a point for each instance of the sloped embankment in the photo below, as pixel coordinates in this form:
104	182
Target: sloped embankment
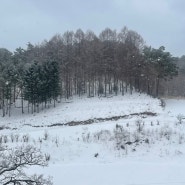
96	120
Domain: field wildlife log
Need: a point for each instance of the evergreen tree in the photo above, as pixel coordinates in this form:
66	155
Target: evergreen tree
163	62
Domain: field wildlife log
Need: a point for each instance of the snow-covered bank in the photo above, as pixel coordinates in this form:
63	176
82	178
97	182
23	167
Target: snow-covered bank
80	109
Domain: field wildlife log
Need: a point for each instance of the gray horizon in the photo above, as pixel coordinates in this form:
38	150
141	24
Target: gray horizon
159	22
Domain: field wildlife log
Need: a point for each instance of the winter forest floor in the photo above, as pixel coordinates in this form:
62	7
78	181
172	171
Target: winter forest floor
120	140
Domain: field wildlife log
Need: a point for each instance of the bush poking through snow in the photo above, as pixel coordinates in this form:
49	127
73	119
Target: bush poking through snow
17	137
46	135
12	137
47	157
86	137
162	103
147	141
139	125
5	139
56	141
40	140
180	118
103	135
25	138
121	136
181	138
166	132
1	139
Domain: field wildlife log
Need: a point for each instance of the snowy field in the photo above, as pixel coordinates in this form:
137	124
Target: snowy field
131	140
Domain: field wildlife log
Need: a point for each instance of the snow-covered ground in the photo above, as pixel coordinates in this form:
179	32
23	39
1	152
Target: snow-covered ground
80	109
137	149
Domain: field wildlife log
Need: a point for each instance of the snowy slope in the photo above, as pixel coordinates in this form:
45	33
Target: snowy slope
136	149
80	109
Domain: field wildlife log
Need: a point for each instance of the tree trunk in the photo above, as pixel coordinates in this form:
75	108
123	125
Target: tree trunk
157	87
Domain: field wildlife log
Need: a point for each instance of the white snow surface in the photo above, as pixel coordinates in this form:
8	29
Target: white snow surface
156	154
81	109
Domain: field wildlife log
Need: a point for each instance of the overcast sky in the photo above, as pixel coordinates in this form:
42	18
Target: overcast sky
159	22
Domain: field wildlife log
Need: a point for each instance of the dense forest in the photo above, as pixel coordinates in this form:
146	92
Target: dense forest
78	64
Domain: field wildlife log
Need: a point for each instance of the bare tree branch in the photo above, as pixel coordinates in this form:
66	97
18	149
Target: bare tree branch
13	161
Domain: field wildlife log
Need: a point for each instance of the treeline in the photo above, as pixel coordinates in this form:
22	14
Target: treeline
78	63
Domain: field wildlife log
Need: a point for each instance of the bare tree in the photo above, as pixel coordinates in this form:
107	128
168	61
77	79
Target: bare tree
14	161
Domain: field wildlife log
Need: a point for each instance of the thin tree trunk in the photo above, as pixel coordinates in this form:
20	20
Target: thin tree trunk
22	101
157	86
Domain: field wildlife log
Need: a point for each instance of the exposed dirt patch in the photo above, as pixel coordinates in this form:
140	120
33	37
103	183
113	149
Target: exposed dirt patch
97	120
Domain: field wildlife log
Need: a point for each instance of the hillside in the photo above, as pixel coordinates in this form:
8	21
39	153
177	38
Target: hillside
119	140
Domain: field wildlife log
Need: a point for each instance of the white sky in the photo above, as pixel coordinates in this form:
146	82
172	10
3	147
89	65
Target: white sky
159	22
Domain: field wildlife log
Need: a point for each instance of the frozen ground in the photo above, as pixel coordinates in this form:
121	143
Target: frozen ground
155	154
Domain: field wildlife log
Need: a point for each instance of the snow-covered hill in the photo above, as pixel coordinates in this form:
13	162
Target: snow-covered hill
119	140
81	109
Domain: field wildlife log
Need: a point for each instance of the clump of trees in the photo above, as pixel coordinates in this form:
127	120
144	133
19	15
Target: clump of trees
78	63
176	86
41	84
